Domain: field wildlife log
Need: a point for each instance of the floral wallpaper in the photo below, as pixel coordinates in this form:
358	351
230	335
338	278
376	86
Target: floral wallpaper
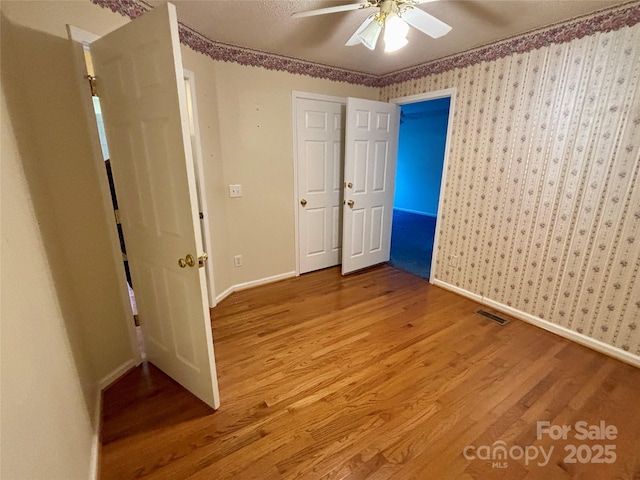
541	202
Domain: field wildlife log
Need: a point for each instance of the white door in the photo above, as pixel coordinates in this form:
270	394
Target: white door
371	146
141	87
319	131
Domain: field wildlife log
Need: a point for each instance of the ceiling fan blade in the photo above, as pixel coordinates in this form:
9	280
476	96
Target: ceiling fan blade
425	23
354	40
339	8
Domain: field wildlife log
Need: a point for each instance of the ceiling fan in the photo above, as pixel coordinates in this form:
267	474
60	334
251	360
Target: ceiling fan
393	16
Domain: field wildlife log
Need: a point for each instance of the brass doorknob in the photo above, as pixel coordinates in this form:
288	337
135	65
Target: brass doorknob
303	202
349	185
351	203
187	260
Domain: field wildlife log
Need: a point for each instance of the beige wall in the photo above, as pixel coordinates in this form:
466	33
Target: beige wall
256	147
48	394
42	97
63	319
542	198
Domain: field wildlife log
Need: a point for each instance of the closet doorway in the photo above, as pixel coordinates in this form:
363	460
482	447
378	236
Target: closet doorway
435	141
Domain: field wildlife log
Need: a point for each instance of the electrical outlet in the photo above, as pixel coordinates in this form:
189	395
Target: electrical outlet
453	261
237	261
235	191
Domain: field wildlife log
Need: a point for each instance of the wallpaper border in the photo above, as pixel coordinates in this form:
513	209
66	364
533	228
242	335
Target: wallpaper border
614	18
245	56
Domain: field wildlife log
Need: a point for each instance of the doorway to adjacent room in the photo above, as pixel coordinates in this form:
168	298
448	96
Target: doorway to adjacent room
421	153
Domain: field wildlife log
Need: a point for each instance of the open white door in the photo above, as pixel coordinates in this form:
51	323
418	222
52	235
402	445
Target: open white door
142	93
319	138
371	147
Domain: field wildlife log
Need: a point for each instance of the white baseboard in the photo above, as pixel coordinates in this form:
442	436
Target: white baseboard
460	291
97	421
224	294
116	373
95	441
564	332
254	283
580	338
263	281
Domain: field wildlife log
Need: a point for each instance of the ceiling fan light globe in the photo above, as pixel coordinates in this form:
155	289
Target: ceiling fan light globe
395	33
369	36
396	44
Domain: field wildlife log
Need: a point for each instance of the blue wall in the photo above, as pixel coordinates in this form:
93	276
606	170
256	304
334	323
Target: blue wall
423	133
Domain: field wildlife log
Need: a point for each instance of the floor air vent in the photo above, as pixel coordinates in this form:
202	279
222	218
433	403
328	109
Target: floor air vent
493	317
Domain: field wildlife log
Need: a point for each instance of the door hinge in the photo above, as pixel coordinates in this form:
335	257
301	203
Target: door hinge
116	213
92	85
136	320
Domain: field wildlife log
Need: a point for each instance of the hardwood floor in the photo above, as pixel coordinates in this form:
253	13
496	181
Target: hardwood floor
378	375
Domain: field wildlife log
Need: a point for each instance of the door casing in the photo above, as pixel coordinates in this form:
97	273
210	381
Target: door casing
421	97
196	148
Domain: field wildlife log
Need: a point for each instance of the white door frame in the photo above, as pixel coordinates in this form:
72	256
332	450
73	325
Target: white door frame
202	191
421	97
295	96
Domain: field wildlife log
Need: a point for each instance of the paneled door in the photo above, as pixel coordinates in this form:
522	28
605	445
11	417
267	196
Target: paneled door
142	93
371	146
319	144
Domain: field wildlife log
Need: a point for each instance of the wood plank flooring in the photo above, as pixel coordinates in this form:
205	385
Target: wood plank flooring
378	375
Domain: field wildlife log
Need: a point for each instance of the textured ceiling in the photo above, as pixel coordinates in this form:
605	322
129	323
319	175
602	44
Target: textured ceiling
267	26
